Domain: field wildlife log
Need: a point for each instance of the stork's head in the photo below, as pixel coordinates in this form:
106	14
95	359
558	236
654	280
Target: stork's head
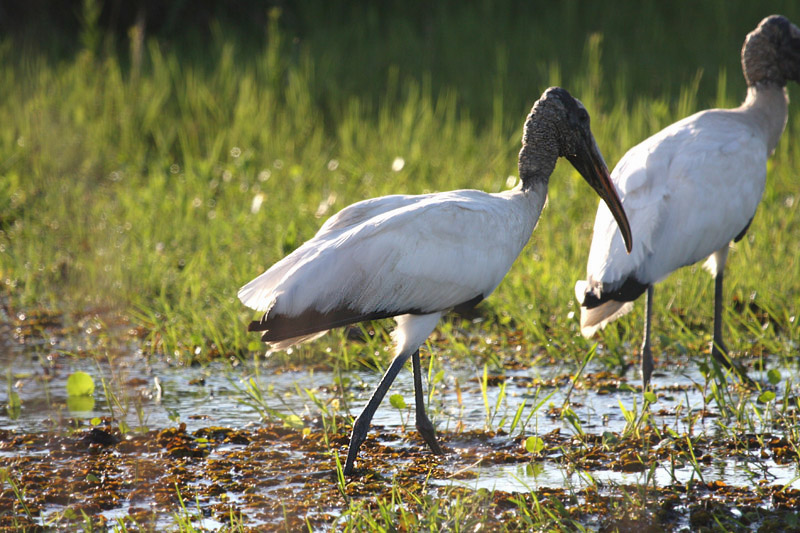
559	124
771	52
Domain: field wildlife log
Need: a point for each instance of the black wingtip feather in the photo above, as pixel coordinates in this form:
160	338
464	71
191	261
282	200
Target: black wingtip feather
629	291
277	327
257	325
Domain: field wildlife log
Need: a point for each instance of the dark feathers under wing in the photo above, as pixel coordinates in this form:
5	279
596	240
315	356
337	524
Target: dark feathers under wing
629	291
744	231
278	327
281	327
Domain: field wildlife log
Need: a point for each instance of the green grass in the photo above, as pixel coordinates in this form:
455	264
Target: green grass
131	182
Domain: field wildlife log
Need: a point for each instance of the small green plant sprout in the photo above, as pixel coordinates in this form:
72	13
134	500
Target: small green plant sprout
397	401
649	398
589	356
80	384
433	380
14	404
517	415
341	482
80	391
255	399
329	411
534	445
610	439
766	396
634	418
484	394
292	421
491	413
572	417
6	477
696	469
535	409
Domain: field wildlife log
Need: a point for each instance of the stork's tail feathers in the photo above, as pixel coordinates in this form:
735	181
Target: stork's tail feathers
288	343
597	312
598	317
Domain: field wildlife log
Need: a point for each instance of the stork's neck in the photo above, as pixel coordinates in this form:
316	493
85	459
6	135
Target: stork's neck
539	153
767	107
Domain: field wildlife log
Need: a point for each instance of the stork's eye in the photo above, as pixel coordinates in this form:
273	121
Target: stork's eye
583	116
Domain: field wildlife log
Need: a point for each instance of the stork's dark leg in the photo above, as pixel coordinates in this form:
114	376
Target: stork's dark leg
424	425
718	349
647	353
361	426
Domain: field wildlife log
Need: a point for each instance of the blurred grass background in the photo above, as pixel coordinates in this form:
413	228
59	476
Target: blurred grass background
155	157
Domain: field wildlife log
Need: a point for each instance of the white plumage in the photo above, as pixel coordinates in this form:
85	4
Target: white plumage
690	190
398	254
416	257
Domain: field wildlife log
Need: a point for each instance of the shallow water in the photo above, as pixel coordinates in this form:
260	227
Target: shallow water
148	393
151	393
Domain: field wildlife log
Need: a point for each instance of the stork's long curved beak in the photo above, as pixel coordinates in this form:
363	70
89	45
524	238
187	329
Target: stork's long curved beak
590	163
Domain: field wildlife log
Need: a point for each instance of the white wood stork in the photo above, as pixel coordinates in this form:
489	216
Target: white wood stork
690	190
416	257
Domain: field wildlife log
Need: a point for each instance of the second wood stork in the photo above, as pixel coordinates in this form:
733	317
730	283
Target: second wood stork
690	190
416	257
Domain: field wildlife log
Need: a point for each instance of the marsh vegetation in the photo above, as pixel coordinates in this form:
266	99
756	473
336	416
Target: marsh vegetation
142	184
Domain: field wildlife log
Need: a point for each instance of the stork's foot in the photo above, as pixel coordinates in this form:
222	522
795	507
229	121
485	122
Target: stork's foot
428	432
357	437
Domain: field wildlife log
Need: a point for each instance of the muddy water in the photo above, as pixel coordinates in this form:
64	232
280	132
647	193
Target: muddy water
157	395
149	395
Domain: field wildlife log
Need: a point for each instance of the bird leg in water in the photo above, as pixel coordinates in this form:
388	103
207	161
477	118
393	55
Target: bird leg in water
718	349
361	426
424	425
647	353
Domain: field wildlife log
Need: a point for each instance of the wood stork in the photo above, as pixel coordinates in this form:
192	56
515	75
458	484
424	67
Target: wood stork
690	190
416	257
